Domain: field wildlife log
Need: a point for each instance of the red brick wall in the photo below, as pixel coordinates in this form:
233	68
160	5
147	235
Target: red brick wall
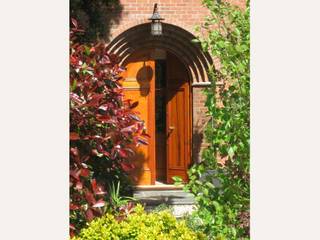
182	13
200	119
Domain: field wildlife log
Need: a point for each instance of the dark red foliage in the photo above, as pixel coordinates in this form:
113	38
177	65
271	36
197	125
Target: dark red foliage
103	127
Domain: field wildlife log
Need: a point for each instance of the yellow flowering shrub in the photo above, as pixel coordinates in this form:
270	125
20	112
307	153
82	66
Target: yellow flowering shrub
139	226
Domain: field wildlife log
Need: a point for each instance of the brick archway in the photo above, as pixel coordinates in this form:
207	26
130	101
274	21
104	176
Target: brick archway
174	39
178	41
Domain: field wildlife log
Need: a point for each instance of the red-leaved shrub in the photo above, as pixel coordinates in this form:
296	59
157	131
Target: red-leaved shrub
103	128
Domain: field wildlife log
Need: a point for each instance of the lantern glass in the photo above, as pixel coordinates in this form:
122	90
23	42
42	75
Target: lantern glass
156	28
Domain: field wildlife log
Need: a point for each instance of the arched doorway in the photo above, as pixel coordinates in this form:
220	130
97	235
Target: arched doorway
163	74
159	81
173	39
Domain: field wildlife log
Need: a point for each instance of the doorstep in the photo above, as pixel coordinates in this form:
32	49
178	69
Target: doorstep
157	187
176	199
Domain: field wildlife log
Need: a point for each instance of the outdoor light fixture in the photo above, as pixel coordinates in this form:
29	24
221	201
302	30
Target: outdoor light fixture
156	27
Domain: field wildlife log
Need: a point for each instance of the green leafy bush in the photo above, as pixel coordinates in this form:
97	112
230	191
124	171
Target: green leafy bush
221	182
138	225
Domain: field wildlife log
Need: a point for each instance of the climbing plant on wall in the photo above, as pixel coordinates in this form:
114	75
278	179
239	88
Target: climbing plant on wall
221	181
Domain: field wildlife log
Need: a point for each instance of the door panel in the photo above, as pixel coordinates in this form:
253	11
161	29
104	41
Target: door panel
139	86
177	133
178	119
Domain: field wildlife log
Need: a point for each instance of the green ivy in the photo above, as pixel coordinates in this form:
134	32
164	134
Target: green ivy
221	182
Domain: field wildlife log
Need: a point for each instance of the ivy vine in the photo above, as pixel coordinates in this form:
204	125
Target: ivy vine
221	182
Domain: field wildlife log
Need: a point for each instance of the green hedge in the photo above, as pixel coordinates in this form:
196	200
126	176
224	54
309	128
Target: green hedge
139	225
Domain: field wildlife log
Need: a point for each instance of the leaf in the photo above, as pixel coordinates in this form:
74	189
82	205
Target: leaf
75	174
74	22
87	50
103	118
94	185
74	151
132	153
89	197
85	172
142	141
92	49
216	205
74	206
177	180
122	153
134	117
231	152
94	100
74	97
145	134
74	136
100	203
209	184
103	108
74	85
127	166
105	60
89	214
221	44
71	226
79	185
131	128
133	105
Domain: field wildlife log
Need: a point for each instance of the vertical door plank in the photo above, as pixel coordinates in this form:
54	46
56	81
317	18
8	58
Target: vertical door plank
178	119
139	86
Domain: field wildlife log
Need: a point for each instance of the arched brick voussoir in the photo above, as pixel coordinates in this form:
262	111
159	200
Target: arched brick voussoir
174	39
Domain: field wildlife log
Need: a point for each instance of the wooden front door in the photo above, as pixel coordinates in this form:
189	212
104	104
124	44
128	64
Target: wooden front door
139	86
162	89
178	120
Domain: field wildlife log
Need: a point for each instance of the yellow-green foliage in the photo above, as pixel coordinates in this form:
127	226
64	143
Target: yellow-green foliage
140	226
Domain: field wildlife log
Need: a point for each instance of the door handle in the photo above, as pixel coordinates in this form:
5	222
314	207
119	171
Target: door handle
171	128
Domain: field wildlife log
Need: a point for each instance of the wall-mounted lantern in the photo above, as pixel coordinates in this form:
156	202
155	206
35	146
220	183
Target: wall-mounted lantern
156	27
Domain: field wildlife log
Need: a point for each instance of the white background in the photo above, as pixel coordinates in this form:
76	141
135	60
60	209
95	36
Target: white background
285	119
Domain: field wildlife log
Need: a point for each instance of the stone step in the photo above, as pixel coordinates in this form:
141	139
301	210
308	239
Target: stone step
169	197
178	201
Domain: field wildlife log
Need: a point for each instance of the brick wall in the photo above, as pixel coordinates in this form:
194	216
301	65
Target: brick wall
185	14
199	121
